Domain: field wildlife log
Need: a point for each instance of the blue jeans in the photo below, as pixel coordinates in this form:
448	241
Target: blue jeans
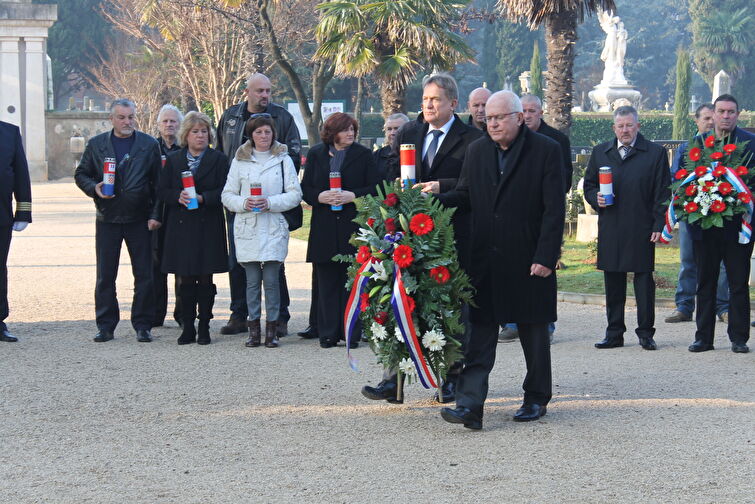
551	326
686	287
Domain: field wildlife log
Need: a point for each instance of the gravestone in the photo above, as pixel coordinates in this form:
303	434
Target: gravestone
721	85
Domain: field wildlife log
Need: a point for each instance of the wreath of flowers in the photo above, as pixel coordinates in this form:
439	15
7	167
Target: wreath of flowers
713	184
407	230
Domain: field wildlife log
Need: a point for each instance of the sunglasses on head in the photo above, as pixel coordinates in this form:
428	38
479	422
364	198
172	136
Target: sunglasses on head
263	114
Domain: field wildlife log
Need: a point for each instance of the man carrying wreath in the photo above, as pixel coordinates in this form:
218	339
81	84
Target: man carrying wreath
715	244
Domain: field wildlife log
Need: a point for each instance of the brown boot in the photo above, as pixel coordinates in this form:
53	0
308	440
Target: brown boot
271	334
255	333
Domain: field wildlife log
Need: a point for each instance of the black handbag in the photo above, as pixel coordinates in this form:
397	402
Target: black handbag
295	216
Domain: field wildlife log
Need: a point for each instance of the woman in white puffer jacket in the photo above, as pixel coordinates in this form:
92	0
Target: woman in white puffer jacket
259	227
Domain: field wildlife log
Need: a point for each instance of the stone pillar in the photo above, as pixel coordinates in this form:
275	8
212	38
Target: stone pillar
36	100
10	80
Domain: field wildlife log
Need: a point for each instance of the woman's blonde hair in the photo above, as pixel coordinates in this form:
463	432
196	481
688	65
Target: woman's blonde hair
190	121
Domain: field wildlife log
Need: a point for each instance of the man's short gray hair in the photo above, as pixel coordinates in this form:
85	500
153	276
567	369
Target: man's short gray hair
531	98
397	116
626	110
511	99
122	102
445	82
702	107
172	108
255	75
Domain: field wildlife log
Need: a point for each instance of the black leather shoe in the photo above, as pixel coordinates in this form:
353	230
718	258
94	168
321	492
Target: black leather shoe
529	412
103	336
449	392
234	326
386	390
7	337
648	343
143	336
308	333
739	348
328	344
462	415
699	346
610	343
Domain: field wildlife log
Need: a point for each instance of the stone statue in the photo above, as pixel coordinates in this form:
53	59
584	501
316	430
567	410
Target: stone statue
615	48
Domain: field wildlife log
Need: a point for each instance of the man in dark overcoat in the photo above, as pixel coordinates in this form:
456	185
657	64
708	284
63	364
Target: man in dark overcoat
441	139
629	228
511	182
129	215
14	182
716	244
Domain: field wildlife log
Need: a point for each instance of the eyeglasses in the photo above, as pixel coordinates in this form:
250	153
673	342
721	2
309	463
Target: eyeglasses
499	117
263	114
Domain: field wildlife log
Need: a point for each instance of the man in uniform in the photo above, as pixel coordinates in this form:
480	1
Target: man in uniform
230	137
14	182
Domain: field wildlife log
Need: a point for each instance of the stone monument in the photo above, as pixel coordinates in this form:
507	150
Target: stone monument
614	85
23	74
721	85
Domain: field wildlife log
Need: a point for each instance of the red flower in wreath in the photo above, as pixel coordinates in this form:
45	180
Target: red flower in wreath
710	141
691	190
402	256
717	206
741	171
715	156
421	224
708	186
365	301
680	174
364	254
725	188
440	274
691	207
701	170
370	222
694	153
719	170
729	148
381	317
411	303
744	197
391	199
390	225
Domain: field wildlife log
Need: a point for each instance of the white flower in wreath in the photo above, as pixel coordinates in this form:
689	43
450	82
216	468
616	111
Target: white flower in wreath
380	273
398	335
378	332
363	235
407	367
434	341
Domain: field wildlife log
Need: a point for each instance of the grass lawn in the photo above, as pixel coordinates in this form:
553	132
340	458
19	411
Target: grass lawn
580	274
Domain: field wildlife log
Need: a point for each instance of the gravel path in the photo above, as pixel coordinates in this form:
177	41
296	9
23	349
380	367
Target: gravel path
157	423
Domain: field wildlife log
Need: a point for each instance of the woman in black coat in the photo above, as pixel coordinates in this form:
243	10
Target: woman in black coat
195	243
330	230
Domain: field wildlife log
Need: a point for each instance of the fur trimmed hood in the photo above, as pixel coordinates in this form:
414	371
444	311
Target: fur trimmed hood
244	153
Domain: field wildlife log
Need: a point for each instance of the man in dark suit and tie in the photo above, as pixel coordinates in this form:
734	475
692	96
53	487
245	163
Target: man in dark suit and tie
512	184
629	228
441	139
715	244
14	182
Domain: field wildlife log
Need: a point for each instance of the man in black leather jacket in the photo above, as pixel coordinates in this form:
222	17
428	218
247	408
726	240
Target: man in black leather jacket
129	214
230	137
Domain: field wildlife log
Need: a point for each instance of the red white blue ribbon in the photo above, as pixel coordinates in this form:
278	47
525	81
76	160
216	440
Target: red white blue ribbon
351	314
405	325
745	232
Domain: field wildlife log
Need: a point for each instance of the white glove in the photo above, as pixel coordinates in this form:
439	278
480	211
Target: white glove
19	225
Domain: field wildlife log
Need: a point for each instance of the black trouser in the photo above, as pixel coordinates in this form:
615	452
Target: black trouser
331	300
472	386
717	246
160	281
5	236
616	296
108	240
237	281
313	300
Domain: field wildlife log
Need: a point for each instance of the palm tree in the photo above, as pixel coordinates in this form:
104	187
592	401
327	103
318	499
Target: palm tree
560	18
391	40
721	40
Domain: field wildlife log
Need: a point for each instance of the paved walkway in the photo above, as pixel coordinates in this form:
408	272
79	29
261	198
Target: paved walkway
157	423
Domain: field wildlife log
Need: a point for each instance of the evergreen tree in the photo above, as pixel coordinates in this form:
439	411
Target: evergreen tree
681	97
536	72
513	41
488	57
